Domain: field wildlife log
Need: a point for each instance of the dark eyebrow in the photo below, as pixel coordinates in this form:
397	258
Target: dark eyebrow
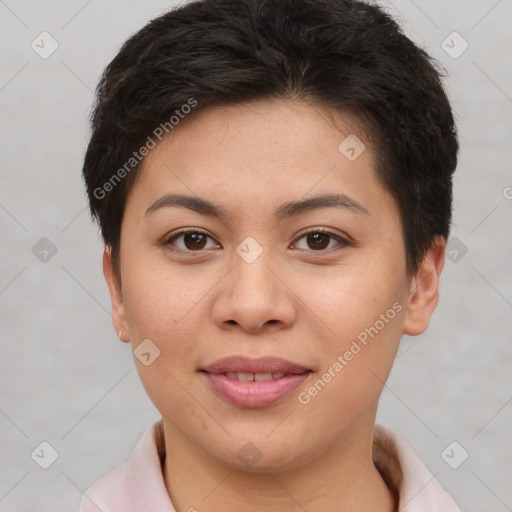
195	204
324	201
289	209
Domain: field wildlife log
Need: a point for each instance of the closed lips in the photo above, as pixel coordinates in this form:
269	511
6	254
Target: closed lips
254	382
257	377
248	369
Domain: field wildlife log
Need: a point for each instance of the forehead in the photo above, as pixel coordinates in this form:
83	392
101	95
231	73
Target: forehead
266	130
259	155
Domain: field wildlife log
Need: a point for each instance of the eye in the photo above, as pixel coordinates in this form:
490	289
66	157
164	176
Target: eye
191	240
321	240
194	240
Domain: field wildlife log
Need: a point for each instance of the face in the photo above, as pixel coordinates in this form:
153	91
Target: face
268	272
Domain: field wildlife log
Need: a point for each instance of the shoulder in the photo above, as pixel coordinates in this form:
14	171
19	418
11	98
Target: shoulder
109	494
417	489
125	488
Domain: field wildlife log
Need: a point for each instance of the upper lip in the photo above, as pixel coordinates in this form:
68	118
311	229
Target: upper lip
241	364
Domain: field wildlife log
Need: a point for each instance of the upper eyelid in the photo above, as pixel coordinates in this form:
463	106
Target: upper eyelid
174	236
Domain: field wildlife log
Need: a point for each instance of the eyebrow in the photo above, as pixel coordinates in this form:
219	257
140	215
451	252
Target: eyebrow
286	210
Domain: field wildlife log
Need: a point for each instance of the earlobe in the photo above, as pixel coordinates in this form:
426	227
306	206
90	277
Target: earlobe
116	296
424	290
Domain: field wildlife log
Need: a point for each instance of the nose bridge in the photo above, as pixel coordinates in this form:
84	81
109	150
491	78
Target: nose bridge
252	279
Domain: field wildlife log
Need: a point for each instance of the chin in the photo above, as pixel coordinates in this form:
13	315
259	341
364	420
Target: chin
263	456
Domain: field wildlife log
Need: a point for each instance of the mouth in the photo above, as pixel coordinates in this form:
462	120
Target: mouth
252	383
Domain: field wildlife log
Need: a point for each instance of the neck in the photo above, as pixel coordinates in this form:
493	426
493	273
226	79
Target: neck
344	479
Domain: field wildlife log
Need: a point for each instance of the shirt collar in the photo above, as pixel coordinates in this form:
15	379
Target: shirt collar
416	488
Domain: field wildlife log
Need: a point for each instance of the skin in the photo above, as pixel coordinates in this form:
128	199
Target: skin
302	300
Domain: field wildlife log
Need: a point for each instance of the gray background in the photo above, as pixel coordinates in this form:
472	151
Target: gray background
67	380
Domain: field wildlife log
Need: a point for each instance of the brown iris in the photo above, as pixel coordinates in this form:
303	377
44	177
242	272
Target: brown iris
194	241
318	241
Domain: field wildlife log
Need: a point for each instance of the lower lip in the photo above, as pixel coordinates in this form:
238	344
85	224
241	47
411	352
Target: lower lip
254	394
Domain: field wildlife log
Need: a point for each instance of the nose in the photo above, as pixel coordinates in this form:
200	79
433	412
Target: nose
254	298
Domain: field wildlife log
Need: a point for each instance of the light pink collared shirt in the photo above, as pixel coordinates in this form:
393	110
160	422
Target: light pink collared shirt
138	485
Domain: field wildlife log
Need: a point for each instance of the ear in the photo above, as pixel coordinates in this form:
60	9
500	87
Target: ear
424	291
116	296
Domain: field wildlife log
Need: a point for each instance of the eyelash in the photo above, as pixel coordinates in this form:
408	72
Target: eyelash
342	242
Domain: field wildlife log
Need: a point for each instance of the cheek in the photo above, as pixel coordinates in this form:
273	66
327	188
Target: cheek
166	309
357	352
162	307
347	302
359	317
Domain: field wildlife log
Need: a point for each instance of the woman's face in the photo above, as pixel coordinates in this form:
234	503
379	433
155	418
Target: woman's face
269	328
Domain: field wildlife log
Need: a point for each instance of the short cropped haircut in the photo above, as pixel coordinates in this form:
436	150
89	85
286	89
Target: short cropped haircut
345	55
